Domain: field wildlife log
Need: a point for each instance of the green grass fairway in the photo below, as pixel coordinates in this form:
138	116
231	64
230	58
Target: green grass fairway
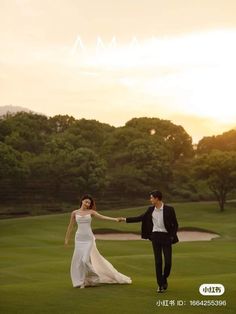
35	266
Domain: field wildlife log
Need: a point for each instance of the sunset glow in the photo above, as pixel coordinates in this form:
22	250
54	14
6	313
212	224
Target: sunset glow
197	70
97	65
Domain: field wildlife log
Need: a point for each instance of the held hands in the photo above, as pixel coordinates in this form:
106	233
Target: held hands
120	219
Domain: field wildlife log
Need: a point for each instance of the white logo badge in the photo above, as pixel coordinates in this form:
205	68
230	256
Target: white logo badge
211	289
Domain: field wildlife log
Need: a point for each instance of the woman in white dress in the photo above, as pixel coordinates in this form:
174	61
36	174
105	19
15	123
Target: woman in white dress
88	266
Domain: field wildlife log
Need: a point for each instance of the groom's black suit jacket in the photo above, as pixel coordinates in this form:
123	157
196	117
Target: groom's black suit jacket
169	219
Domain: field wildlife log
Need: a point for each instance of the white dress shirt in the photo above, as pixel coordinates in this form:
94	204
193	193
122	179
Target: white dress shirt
157	219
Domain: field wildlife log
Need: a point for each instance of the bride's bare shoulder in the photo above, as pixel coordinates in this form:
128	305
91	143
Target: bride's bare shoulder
75	211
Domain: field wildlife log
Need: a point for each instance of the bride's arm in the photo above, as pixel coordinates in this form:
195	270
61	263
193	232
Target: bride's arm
70	227
97	215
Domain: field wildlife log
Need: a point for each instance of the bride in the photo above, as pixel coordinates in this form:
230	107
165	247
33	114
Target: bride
88	266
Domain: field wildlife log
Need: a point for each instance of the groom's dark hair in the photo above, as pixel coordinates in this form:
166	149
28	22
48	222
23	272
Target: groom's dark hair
156	194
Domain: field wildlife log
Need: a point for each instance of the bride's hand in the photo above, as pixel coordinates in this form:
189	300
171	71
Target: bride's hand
119	219
66	243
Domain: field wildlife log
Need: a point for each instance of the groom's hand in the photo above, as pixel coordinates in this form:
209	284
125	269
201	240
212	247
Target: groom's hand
120	219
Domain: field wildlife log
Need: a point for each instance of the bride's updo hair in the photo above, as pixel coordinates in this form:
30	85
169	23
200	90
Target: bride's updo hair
89	197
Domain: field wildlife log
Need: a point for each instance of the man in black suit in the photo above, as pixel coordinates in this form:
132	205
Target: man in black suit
159	225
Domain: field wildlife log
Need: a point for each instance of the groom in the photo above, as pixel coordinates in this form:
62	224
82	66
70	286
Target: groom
159	225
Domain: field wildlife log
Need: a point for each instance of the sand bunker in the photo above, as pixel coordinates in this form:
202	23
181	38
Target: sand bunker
196	236
182	235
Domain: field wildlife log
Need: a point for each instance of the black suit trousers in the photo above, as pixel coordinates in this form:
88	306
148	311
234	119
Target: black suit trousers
161	243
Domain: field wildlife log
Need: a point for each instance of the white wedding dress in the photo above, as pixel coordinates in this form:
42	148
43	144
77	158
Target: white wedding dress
88	266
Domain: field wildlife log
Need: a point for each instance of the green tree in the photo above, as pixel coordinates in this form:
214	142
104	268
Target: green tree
219	169
223	142
165	133
84	171
184	185
66	174
142	167
90	133
61	123
77	134
114	148
13	172
10	162
25	131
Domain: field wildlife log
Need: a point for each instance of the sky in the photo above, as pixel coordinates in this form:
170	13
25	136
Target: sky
115	60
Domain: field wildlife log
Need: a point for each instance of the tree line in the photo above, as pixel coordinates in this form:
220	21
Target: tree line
60	158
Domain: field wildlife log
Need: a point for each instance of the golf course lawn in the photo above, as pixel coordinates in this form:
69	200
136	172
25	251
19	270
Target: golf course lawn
35	265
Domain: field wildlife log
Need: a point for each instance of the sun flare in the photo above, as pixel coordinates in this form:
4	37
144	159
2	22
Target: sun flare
193	73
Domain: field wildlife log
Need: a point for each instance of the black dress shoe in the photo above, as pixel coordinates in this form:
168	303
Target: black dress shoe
160	290
165	285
